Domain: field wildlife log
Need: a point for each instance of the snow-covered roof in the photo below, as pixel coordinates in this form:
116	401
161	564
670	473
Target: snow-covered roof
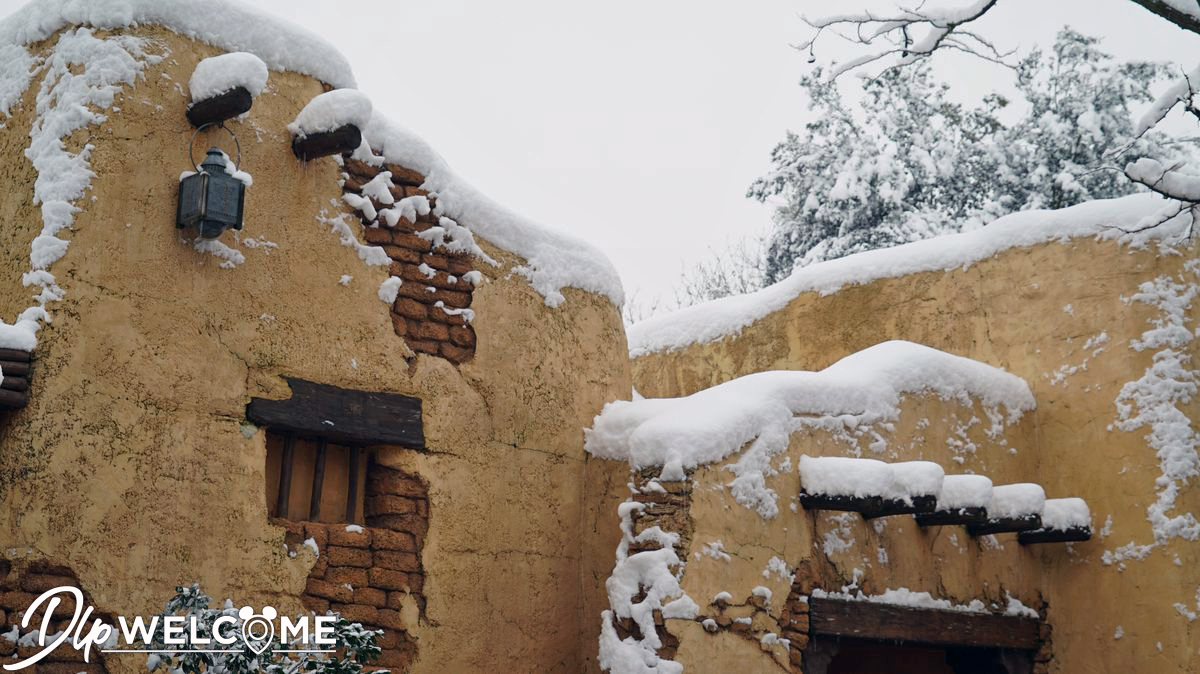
232	26
711	321
764	408
554	260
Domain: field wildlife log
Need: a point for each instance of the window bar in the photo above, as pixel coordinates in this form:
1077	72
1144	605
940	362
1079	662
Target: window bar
285	477
352	491
314	506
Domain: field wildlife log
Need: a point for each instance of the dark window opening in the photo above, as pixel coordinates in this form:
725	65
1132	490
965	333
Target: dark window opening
315	480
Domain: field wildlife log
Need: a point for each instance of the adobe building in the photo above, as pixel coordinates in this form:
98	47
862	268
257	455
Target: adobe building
1073	368
389	397
177	382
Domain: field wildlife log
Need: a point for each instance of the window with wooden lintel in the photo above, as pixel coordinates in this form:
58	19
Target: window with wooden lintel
317	459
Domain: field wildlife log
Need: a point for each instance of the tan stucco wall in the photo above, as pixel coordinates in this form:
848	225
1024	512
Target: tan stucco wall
131	464
1009	311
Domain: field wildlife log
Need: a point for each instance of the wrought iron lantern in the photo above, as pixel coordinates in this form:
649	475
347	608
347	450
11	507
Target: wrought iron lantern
211	198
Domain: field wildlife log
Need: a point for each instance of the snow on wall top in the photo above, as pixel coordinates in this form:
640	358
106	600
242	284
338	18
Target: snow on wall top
711	321
764	408
282	44
554	260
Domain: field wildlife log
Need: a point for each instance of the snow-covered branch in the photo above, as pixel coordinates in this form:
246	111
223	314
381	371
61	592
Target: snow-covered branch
1167	181
1182	13
908	34
1182	91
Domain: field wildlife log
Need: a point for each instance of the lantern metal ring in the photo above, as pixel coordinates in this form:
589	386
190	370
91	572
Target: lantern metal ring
192	143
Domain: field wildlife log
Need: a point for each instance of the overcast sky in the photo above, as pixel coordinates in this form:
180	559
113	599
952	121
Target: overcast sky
638	125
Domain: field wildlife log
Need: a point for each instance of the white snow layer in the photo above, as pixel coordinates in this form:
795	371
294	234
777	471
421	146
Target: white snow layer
1064	513
641	584
229	25
554	260
331	110
80	79
964	491
1016	500
838	476
763	409
1103	219
216	75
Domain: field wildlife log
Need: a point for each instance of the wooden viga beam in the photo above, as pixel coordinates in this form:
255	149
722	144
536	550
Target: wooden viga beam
217	109
953	516
1005	525
869	507
345	138
14	387
1068	535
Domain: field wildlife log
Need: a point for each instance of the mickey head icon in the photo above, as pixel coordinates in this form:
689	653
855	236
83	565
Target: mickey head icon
258	630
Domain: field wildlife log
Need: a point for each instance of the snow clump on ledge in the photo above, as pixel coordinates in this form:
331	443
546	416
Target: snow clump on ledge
840	476
1102	219
964	491
218	74
1016	500
332	110
760	411
1065	513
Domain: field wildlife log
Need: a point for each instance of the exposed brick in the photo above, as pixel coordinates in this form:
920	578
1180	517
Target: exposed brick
389	639
16	601
397	560
383	480
351	539
416	581
455	354
319	567
386	539
436	261
463	336
387	504
314	604
431	330
410	241
453	298
399	325
439	314
355	613
389	579
318	532
342	556
458	265
412	523
377	235
423	508
3	617
328	590
410	191
357	167
353	184
401	254
289	526
395	659
405	176
40	582
416	291
395	600
371	597
410	308
396	191
390	618
421	346
353	575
